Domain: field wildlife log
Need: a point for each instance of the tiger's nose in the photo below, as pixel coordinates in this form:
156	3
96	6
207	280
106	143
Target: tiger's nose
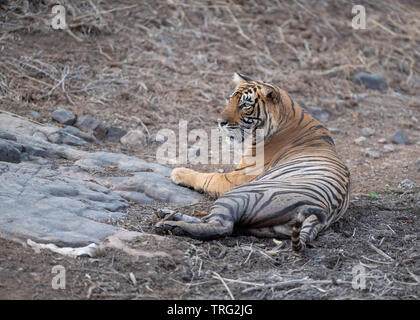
222	122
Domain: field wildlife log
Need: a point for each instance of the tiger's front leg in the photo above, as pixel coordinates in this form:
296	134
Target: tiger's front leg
214	184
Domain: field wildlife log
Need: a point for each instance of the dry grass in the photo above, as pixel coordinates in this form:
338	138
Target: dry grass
193	48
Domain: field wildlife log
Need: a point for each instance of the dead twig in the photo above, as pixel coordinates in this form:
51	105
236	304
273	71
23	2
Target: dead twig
217	276
103	12
380	252
238	26
304	281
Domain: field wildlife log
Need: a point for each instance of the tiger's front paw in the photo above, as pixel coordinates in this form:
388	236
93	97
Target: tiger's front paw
183	176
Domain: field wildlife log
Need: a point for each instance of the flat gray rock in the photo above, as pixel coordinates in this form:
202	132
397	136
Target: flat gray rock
152	187
100	160
71	205
142	182
45	206
36	140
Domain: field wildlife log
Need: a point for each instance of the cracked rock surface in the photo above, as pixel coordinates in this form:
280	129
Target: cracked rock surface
71	205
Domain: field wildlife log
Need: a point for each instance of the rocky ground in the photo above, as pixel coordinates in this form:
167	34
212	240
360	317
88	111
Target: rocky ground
79	114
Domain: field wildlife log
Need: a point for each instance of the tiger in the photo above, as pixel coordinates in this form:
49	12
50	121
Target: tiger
304	185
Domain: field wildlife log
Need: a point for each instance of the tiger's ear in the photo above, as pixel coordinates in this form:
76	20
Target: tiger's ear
240	78
270	93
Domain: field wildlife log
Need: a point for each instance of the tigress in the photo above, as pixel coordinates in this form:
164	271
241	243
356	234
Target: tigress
304	186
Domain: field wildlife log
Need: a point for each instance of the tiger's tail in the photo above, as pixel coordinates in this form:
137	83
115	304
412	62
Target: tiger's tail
298	244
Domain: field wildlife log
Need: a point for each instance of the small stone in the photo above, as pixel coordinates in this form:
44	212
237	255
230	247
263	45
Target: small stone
400	137
89	123
370	81
334	130
388	148
382	140
193	154
406	184
361	160
372	154
79	133
34	114
318	113
63	116
417	165
134	138
115	134
361	141
154	140
368	132
414	104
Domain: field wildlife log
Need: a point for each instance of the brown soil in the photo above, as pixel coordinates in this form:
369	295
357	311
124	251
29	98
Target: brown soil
161	62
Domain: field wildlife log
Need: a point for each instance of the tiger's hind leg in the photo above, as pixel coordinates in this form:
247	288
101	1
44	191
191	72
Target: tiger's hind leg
309	223
177	216
209	227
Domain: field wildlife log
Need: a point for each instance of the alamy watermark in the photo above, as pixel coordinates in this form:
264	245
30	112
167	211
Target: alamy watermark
59	280
359	277
359	20
248	147
59	19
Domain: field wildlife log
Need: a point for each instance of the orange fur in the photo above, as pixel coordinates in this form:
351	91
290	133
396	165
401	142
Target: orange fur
286	125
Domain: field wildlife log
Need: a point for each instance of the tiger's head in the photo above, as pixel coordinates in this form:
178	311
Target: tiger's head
253	105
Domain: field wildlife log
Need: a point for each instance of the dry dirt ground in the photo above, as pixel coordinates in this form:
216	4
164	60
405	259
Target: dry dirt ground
141	64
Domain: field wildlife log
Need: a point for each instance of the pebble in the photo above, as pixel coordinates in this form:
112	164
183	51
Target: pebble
319	113
372	154
64	116
400	137
388	148
382	140
370	81
79	133
417	165
334	130
406	183
368	132
194	153
89	123
361	141
115	134
134	137
361	160
34	114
